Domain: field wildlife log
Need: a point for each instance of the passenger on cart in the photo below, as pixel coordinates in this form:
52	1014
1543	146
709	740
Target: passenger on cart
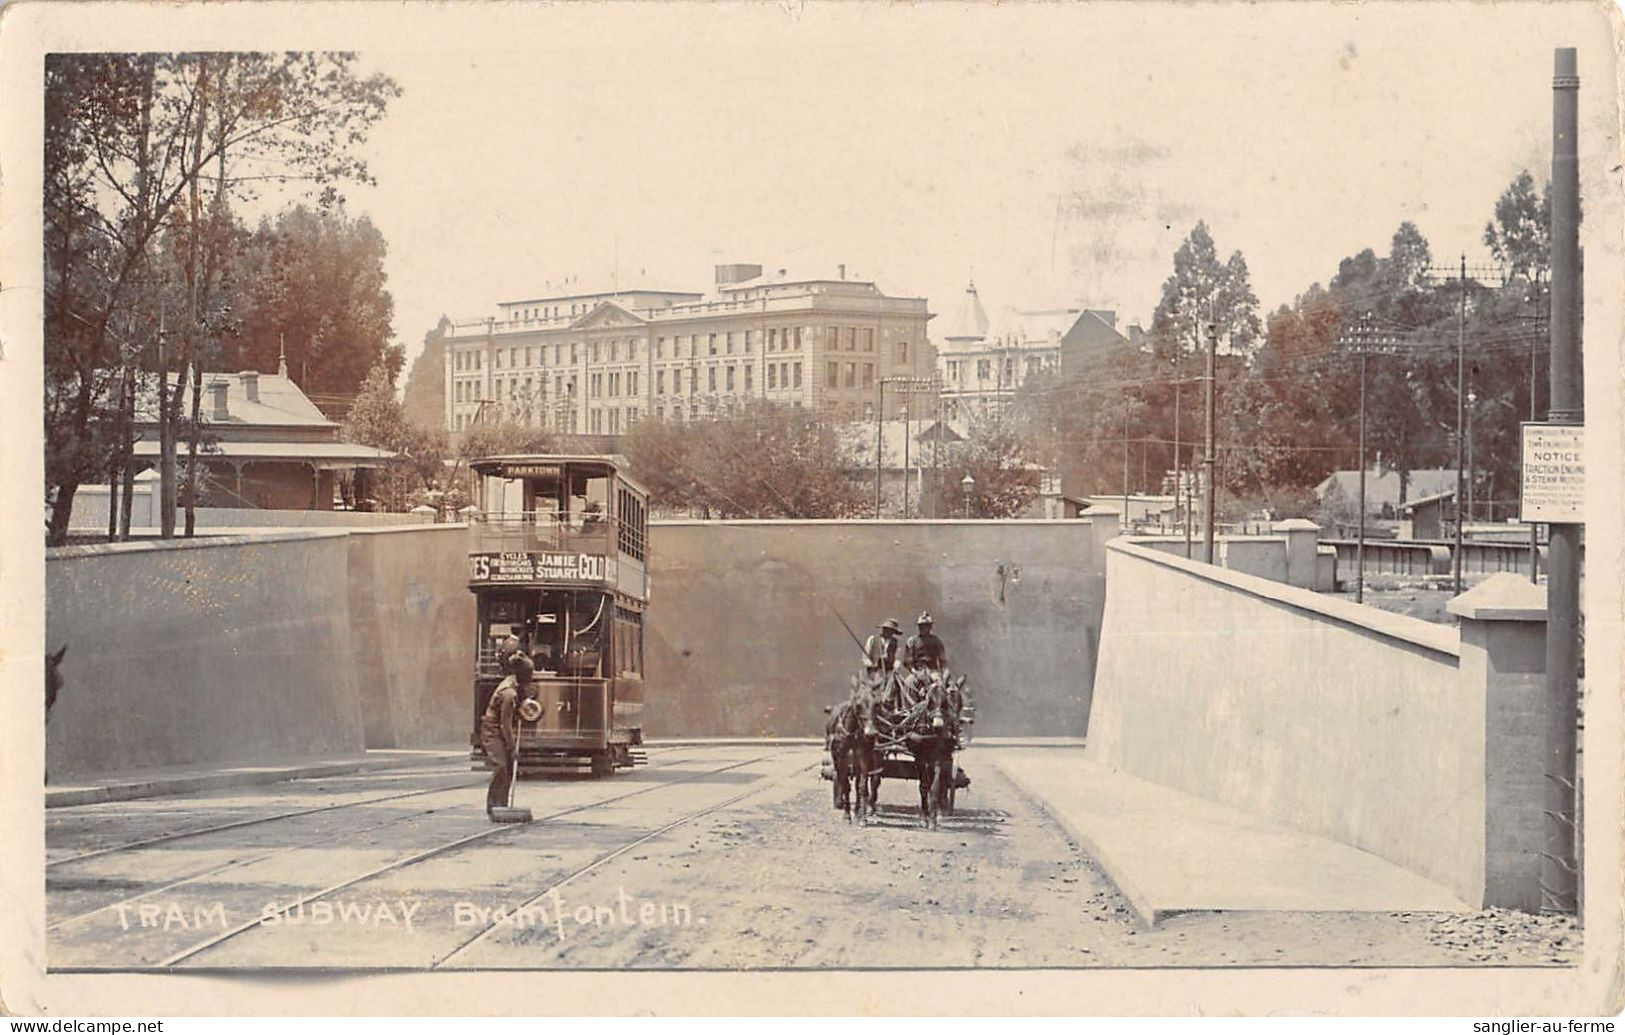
924	649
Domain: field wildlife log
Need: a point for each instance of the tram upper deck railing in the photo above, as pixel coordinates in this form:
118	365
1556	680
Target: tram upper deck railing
546	530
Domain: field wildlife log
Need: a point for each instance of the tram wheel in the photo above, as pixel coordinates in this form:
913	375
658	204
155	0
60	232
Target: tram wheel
603	764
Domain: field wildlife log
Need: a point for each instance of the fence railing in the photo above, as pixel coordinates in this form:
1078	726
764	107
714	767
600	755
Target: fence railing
1424	557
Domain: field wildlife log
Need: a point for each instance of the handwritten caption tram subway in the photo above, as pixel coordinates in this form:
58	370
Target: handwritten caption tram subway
552	912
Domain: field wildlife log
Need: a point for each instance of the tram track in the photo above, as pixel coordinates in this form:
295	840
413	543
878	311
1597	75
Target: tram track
197	948
608	857
255	821
277	817
279	850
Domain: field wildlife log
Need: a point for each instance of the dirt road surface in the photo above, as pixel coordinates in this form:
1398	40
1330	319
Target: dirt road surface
711	857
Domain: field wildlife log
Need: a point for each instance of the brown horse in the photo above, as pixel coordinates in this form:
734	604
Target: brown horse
850	737
864	756
932	745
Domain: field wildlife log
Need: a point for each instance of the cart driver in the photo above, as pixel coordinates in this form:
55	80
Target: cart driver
880	651
880	656
499	726
924	649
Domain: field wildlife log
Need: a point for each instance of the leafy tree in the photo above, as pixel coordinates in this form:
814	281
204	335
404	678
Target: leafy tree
1520	234
316	288
767	460
378	419
143	145
999	459
503	438
425	394
1408	259
1202	289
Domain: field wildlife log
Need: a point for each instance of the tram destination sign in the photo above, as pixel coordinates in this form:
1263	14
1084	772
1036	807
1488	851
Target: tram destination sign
540	567
1553	473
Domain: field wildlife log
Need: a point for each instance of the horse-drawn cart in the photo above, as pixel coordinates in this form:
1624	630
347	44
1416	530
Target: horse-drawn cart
906	726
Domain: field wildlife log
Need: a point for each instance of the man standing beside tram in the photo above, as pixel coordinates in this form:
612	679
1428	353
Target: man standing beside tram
499	726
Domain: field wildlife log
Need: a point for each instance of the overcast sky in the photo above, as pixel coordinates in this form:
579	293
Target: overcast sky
1059	154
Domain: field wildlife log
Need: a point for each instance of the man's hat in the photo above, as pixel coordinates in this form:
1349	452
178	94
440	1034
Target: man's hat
891	623
924	619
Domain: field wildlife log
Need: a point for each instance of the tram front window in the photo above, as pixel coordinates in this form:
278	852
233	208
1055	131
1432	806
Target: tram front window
589	503
564	633
504	497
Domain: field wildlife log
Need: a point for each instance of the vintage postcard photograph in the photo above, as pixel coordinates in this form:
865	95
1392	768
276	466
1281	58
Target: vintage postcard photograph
724	508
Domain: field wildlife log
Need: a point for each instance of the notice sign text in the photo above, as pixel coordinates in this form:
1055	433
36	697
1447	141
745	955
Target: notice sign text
1553	473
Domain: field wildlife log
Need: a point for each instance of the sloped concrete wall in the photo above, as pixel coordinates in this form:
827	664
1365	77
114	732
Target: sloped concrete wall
412	623
220	651
317	644
1319	714
742	637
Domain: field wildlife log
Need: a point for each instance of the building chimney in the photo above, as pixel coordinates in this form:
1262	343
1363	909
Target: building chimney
217	400
251	385
734	272
842	268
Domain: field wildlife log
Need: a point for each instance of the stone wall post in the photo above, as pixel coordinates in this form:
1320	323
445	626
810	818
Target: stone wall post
1302	543
1104	521
1503	657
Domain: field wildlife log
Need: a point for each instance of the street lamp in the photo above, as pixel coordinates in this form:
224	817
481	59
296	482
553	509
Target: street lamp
967	483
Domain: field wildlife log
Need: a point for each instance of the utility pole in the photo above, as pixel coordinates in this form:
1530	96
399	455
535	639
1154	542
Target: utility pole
1124	517
1472	471
1540	324
1364	339
905	463
880	428
1180	495
1210	490
1559	869
1461	417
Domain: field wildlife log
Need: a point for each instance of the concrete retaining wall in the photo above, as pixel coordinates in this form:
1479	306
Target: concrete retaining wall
293	645
205	652
412	620
1328	717
742	639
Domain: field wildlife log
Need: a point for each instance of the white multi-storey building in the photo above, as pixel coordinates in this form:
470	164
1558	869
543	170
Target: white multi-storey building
983	362
597	363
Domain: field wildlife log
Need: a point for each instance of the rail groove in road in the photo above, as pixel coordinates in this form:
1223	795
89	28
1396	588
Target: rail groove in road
240	823
255	821
281	850
417	857
622	850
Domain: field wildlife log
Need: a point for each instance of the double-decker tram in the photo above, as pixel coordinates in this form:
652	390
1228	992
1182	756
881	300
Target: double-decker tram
558	558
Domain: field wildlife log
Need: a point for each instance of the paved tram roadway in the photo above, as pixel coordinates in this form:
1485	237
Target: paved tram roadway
710	857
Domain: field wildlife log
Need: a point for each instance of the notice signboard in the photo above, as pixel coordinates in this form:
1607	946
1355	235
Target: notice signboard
540	567
1553	473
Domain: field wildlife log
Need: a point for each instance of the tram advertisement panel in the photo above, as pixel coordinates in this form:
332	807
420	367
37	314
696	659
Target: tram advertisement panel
540	567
